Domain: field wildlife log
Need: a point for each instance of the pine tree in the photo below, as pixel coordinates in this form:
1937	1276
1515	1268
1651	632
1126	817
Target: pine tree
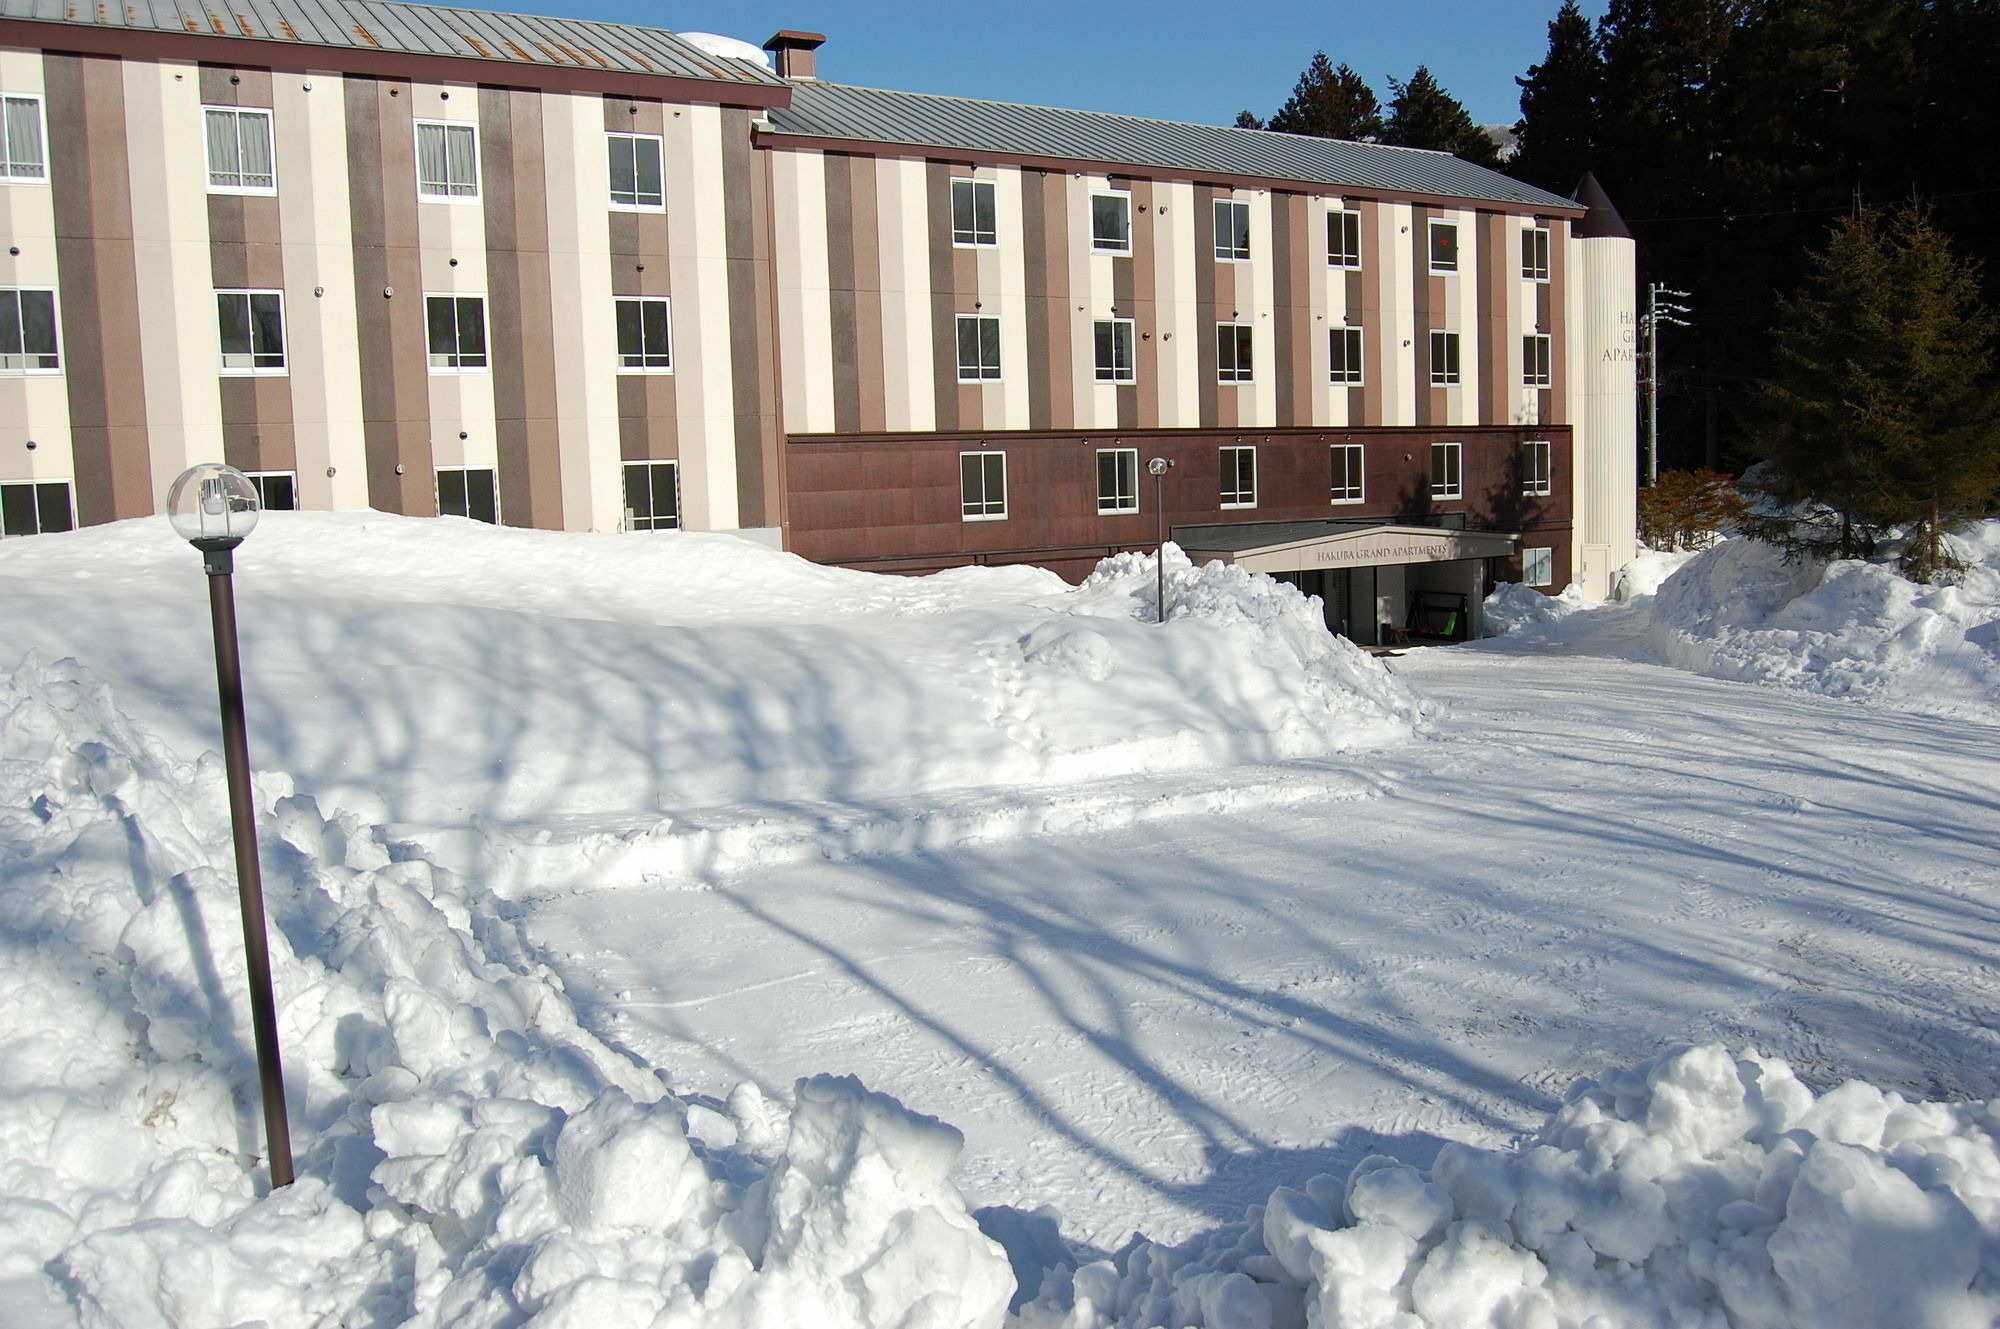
1247	119
1884	407
1330	102
1558	130
1424	115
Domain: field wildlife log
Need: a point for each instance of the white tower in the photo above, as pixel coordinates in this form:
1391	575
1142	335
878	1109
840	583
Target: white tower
1604	392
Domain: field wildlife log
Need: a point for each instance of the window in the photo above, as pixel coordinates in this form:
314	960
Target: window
1538	567
277	491
1347	482
972	213
1111	222
978	347
645	338
1535	360
1114	351
1444	246
22	154
1232	229
1232	352
447	161
652	495
1343	355
1535	470
1239	477
982	485
1535	253
1343	239
239	151
35	508
252	325
1445	476
637	180
1444	359
468	491
1117	480
28	332
457	329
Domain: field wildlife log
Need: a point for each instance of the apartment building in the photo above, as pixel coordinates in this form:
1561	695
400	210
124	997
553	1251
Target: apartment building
593	276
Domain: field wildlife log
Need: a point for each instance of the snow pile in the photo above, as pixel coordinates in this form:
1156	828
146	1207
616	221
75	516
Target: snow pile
1695	1189
1846	628
1644	575
469	1155
440	673
1513	608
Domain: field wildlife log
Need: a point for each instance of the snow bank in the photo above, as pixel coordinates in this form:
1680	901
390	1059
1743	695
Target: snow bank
1644	575
1846	628
1695	1189
469	1155
1514	609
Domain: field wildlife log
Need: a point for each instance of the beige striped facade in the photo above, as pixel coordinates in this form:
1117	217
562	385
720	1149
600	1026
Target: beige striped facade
871	284
128	233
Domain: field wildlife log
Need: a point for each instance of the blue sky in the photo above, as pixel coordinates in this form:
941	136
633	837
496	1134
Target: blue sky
1168	58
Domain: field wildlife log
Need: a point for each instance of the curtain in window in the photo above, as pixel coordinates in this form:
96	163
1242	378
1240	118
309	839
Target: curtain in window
225	163
431	175
24	139
652	188
253	136
460	160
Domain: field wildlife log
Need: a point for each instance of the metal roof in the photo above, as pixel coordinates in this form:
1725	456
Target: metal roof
409	28
875	115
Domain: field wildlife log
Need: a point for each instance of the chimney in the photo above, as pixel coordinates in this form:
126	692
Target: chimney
795	52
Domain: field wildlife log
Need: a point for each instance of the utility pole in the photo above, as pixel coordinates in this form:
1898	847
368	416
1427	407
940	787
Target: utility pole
1656	314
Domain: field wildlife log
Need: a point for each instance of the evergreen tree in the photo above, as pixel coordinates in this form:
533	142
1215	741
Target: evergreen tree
1246	119
1884	406
1424	115
1558	130
1330	102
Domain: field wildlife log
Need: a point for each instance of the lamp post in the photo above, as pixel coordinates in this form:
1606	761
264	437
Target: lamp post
1157	468
213	507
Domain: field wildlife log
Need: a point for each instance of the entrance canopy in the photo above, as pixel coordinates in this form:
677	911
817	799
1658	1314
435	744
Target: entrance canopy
1303	546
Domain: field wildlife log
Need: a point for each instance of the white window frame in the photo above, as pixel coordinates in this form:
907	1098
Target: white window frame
8	175
1233	475
1125	470
1453	486
1430	249
1533	239
642	301
1355	467
1445	363
659	144
1098	243
652	523
1351	376
985	501
438	491
1537	360
263	503
37	486
425	195
1235	371
1110	373
485	332
284	336
979	374
1344	261
973	185
1546	562
24	370
1536	476
1238	251
239	114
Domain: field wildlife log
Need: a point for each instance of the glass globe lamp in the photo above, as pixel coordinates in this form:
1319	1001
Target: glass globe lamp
213	507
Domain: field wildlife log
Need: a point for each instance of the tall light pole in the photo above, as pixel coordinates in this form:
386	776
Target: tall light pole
1157	468
1656	314
213	507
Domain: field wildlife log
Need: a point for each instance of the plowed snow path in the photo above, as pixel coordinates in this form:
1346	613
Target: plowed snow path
1597	857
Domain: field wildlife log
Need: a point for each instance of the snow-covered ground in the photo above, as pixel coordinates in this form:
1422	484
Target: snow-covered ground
588	849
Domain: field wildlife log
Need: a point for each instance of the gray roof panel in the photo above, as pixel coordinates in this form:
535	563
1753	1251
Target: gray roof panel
412	28
919	119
